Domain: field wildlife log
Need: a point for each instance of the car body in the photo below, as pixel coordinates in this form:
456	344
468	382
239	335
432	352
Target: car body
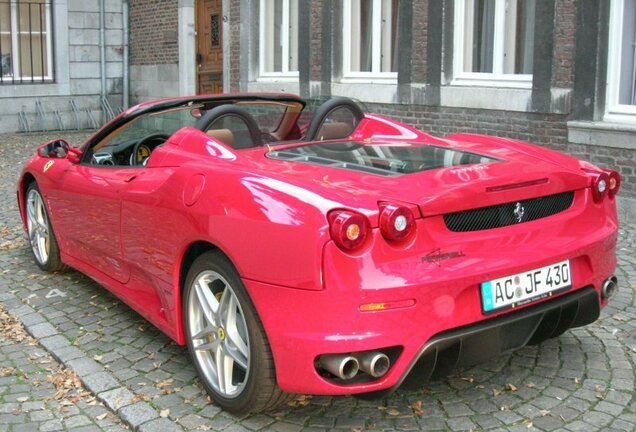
361	254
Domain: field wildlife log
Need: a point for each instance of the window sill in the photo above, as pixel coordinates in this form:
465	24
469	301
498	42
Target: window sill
603	133
278	78
369	79
34	90
492	98
367	91
269	85
472	81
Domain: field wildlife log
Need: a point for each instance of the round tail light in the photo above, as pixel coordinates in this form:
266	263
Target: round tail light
396	222
600	187
349	230
614	183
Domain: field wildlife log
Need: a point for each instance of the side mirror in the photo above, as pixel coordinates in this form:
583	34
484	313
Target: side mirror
59	149
54	149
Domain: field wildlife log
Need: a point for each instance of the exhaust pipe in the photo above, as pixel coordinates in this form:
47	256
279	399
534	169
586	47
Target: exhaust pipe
373	363
343	366
609	288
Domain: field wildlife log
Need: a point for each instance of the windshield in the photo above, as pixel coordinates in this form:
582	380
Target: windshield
164	122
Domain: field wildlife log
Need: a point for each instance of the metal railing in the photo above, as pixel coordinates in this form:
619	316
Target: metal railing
26	42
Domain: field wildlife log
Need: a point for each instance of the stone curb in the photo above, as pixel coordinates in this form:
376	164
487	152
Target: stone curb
139	416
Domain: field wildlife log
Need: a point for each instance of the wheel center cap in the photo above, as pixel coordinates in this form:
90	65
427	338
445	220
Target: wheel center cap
221	333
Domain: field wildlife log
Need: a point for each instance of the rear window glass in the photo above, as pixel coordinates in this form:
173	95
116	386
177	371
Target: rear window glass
383	159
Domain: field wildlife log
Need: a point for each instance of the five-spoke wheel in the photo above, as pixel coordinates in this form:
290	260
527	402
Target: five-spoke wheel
41	236
219	333
226	339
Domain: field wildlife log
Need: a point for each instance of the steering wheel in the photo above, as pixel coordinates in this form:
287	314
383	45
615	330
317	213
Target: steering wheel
159	137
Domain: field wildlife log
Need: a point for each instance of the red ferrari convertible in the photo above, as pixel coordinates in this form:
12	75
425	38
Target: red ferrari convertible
334	253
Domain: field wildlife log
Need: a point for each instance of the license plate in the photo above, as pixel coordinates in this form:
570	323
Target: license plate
523	288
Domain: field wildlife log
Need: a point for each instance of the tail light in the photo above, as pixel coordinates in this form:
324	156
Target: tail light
614	183
397	222
349	230
600	187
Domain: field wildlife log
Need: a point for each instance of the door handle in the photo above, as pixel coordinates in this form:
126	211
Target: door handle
199	58
130	178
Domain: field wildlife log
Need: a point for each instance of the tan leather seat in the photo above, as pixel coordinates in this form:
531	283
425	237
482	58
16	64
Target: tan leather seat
224	135
330	131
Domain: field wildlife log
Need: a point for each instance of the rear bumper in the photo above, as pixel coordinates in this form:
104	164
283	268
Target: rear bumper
438	279
473	344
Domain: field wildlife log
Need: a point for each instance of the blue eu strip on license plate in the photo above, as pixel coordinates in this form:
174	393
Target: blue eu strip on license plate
523	288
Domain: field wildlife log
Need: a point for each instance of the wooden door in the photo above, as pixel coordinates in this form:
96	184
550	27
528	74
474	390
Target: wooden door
209	46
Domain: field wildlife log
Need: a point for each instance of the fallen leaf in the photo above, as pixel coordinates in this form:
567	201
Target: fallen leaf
544	413
23	399
469	379
496	392
511	387
417	408
101	416
164	413
393	412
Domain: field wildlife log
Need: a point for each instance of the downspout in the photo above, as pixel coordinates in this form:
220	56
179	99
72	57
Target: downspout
124	13
102	53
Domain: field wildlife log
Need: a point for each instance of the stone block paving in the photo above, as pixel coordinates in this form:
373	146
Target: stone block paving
583	380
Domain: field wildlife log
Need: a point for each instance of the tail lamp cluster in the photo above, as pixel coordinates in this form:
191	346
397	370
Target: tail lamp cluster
350	230
605	184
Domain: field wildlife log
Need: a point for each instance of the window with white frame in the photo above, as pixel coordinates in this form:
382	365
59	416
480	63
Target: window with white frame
26	46
278	38
494	42
370	38
621	73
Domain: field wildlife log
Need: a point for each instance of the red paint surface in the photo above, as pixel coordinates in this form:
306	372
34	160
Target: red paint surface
129	228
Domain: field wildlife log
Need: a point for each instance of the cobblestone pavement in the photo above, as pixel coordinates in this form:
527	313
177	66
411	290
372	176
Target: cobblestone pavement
583	380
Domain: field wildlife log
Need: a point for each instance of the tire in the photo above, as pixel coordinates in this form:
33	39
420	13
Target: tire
44	246
221	323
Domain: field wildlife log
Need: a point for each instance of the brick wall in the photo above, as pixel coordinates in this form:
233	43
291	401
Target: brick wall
564	43
549	130
235	45
153	32
315	40
420	37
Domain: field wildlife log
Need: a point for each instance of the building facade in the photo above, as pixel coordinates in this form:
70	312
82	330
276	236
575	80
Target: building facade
559	73
61	63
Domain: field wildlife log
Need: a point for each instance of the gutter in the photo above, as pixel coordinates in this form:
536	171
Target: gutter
126	35
102	53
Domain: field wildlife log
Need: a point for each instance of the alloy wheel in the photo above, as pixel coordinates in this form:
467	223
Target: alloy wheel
38	227
218	333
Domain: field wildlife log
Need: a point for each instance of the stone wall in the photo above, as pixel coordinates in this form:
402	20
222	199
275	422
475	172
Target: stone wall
77	70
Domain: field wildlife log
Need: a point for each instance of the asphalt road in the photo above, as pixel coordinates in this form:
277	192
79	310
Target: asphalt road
90	363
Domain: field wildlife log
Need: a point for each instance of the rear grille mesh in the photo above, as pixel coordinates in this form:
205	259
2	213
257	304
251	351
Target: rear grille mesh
508	214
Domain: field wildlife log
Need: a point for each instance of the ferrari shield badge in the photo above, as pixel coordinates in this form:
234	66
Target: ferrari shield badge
48	165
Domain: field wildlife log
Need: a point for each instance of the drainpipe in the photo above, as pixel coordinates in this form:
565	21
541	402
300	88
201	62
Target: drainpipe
102	52
124	13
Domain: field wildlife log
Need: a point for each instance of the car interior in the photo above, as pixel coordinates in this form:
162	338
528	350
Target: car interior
239	124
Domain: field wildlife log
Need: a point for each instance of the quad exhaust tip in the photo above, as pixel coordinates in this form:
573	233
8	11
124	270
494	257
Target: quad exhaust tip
341	365
609	288
347	366
374	363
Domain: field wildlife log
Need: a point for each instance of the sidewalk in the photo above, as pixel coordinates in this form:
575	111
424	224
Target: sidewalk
132	376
